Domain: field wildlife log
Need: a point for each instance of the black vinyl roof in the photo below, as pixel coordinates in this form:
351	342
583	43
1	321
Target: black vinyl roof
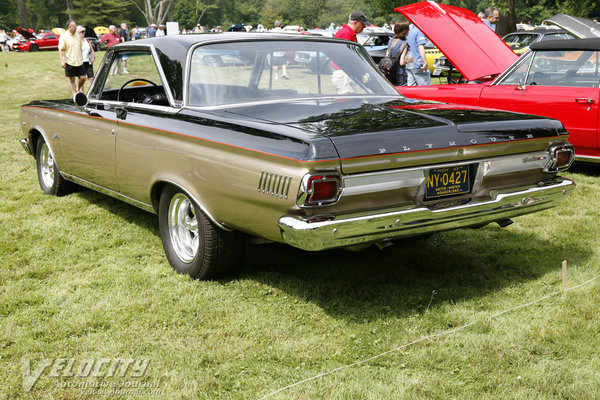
574	44
173	49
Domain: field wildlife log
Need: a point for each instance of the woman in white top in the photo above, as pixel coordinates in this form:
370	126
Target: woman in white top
87	52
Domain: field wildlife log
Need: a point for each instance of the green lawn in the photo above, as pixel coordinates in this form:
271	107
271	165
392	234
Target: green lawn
84	277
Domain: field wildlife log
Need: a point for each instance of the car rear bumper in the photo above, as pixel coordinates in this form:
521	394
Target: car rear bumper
395	224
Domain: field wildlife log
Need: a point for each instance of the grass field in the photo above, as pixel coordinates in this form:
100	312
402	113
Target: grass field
83	277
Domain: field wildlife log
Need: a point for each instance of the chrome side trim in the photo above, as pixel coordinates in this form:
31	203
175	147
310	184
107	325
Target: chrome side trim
109	192
295	100
588	159
26	146
404	222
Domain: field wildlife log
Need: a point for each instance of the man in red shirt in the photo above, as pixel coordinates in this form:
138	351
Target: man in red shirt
356	23
112	37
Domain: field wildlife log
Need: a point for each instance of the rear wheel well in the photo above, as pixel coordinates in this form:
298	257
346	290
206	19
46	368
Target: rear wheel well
155	194
34	137
160	186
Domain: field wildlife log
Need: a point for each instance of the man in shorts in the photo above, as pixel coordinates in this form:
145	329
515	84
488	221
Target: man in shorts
71	59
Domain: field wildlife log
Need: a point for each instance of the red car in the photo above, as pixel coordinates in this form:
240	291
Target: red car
43	41
558	79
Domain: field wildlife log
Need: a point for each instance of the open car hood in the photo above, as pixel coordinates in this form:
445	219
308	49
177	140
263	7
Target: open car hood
25	33
473	48
89	33
581	27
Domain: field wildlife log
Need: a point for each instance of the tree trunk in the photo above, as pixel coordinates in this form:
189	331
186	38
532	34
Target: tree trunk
70	7
23	14
170	13
508	22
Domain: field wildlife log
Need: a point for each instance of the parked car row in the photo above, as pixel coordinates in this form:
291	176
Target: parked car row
558	27
27	41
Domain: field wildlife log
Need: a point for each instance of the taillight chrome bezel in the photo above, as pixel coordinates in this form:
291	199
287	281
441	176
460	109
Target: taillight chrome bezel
556	152
306	192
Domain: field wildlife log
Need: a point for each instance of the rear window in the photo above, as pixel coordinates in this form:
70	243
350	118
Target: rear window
228	73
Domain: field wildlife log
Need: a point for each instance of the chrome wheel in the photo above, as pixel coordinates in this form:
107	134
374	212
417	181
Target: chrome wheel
47	166
183	227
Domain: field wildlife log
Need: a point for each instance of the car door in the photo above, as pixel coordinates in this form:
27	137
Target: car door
50	42
558	84
89	140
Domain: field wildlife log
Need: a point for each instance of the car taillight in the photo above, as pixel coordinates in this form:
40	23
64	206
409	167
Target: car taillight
320	190
561	157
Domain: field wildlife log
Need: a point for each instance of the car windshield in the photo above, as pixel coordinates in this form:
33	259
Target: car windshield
228	73
520	39
374	40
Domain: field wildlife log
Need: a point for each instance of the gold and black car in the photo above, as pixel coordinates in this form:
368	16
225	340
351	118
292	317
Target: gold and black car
204	131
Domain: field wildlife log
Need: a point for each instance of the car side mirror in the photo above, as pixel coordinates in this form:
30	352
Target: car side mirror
81	100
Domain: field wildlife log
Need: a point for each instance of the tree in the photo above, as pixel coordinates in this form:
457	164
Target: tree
24	21
98	12
8	11
155	11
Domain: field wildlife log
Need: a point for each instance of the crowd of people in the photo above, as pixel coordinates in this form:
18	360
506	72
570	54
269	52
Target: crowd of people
407	48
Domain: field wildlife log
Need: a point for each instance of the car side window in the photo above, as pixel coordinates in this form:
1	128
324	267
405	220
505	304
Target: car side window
574	68
517	75
132	77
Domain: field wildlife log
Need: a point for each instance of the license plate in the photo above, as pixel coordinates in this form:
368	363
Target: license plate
448	181
437	71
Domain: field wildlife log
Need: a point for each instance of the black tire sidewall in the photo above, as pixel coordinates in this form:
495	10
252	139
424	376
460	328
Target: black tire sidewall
193	268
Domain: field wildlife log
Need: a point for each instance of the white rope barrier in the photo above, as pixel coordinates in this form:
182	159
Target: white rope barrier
428	337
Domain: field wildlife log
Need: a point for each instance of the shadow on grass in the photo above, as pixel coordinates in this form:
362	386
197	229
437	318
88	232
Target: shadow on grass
401	280
589	169
396	281
126	211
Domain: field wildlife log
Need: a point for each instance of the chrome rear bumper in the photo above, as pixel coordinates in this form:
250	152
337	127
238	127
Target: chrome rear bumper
394	224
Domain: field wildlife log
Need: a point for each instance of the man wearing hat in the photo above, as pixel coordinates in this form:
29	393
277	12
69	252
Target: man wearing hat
151	31
356	23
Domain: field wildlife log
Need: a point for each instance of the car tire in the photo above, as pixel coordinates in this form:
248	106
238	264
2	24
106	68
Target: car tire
33	47
49	177
192	243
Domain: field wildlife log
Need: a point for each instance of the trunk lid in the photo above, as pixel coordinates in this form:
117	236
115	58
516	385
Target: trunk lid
581	27
385	134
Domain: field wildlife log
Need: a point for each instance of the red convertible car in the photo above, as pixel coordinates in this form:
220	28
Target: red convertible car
557	79
43	41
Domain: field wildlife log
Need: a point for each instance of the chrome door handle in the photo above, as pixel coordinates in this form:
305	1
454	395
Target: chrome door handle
582	100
